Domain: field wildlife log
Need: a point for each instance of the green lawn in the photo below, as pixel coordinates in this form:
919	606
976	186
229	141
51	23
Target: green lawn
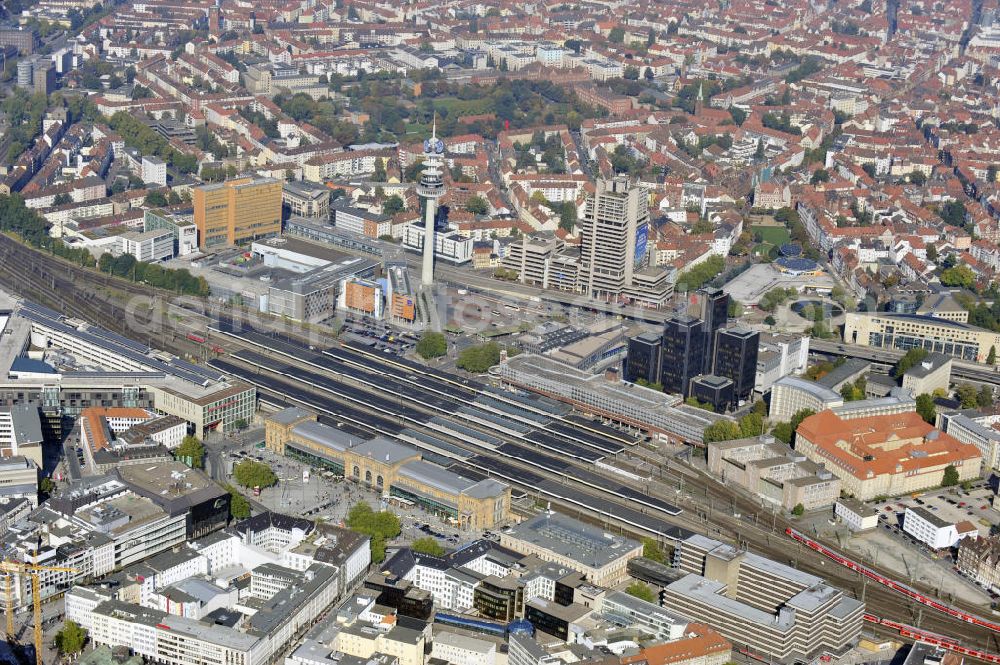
776	235
462	107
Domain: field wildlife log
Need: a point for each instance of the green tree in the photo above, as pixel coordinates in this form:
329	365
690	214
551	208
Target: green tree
192	452
62	198
701	274
967	395
616	35
652	551
47	485
631	73
991	357
393	205
239	506
432	345
477	205
722	430
478	359
427	545
819	175
380	174
852	392
71	638
950	476
378	526
960	275
249	473
752	424
909	359
567	216
926	408
985	397
785	432
641	591
798	510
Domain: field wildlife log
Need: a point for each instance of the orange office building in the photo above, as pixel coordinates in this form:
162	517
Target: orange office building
236	211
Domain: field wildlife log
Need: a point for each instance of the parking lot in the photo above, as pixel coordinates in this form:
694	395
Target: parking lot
377	334
892	549
952	505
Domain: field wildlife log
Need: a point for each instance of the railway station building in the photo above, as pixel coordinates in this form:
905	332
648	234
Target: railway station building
392	467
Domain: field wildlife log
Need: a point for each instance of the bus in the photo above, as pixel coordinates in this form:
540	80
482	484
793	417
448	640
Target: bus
513	308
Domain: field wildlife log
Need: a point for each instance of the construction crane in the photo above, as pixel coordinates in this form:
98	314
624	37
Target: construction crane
11	570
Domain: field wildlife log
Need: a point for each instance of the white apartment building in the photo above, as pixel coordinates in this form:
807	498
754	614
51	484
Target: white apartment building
977	429
780	355
148	246
21	432
452	589
462	650
856	515
154	171
933	531
448	246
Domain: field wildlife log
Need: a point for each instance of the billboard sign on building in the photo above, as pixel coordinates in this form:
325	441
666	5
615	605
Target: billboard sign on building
641	242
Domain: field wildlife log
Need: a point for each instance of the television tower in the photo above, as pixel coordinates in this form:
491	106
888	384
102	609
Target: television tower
431	188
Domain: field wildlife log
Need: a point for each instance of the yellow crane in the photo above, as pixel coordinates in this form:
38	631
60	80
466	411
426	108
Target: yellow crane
11	570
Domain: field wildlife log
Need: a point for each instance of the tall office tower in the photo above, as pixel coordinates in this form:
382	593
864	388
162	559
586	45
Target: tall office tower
736	359
681	353
431	189
236	211
713	310
643	358
613	234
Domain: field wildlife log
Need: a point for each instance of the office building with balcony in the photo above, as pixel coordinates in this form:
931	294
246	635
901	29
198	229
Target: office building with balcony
774	610
884	330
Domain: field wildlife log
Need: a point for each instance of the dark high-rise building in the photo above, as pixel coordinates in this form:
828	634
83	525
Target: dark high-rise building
714	306
643	359
736	359
714	390
682	353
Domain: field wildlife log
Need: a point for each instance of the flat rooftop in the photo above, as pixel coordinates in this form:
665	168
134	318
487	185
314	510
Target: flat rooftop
167	479
575	540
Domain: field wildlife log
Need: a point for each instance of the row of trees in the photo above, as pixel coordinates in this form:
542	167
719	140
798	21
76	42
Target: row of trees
703	273
24	118
179	280
750	425
775	298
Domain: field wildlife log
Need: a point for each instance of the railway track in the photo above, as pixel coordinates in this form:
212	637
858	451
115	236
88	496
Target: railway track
76	292
767	537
